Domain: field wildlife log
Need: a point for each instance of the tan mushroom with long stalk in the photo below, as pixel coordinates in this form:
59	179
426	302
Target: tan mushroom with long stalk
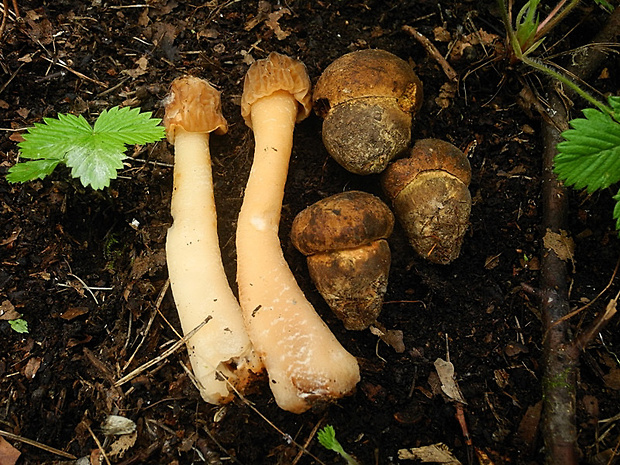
303	358
220	352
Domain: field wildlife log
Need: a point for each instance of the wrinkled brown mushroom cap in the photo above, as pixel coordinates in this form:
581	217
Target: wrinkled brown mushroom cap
426	154
274	73
368	73
194	105
342	221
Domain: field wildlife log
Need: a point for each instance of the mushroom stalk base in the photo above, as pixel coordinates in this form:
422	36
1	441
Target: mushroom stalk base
197	278
304	360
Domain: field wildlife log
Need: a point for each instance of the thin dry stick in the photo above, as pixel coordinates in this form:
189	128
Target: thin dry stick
33	443
173	348
77	73
160	298
287	437
582	308
586	336
432	50
99	445
5	14
308	441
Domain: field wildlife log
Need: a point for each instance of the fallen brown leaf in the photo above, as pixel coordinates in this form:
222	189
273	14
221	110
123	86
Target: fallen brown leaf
8	453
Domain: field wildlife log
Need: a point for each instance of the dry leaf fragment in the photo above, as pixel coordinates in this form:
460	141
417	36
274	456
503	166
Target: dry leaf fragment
435	453
122	444
7	311
449	386
74	312
272	23
562	244
447	92
31	368
392	337
118	425
8	453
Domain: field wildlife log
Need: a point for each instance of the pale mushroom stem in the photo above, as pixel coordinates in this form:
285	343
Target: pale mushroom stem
222	347
304	360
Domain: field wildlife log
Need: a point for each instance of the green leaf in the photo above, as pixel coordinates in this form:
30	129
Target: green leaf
605	5
54	138
31	170
327	438
617	211
614	103
96	163
19	325
129	126
589	157
527	24
94	154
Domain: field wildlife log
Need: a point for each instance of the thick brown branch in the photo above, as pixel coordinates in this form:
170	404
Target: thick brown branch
561	348
560	357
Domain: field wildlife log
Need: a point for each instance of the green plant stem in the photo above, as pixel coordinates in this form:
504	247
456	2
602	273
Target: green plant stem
537	65
512	36
554	18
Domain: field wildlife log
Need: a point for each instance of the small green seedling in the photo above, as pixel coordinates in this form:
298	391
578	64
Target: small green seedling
589	156
94	154
327	438
19	325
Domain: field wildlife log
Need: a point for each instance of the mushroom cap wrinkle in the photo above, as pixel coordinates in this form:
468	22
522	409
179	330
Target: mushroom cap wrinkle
194	105
276	73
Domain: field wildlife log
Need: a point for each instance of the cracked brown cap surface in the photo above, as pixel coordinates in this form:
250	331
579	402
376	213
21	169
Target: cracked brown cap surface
426	154
342	221
368	73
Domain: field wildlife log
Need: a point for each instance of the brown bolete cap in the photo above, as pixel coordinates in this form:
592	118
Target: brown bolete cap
426	154
194	105
342	221
368	73
274	73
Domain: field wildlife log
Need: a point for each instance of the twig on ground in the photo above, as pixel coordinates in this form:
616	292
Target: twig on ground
308	441
5	15
432	50
583	307
561	349
164	355
77	73
145	332
99	445
33	443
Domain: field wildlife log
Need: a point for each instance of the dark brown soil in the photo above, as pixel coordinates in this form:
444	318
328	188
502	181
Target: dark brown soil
56	381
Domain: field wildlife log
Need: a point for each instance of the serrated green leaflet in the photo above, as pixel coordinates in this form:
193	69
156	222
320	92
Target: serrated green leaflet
34	169
128	126
54	138
617	211
614	103
19	325
95	166
589	157
94	154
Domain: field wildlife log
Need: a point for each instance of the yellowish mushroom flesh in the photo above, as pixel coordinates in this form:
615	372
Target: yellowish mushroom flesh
303	358
221	353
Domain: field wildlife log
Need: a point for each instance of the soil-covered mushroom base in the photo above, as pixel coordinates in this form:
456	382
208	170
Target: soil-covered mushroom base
86	269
